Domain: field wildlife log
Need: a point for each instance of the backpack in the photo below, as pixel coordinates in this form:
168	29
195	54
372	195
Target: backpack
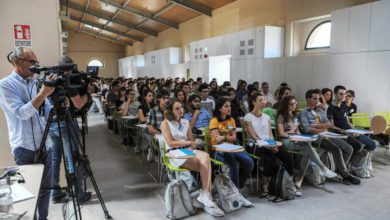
188	179
281	185
328	161
313	174
227	196
361	164
178	200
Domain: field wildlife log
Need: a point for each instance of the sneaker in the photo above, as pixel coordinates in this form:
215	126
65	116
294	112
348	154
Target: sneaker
214	211
149	157
298	181
245	202
86	197
329	174
62	197
137	149
354	180
297	193
205	199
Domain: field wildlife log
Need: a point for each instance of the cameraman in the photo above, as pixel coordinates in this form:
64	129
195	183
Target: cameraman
79	99
20	102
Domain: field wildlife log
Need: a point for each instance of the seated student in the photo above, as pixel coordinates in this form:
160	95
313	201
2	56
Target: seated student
205	102
177	134
155	119
326	98
313	121
283	91
112	95
198	118
130	108
181	96
258	126
237	114
122	93
146	104
267	94
287	123
337	116
351	107
223	129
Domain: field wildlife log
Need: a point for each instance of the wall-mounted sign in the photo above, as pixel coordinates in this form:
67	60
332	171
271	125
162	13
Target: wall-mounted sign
22	35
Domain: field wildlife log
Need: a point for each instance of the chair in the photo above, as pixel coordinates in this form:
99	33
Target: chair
272	114
361	120
245	139
387	132
168	165
116	119
207	147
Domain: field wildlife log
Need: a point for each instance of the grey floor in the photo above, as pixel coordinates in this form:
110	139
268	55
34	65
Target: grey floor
130	192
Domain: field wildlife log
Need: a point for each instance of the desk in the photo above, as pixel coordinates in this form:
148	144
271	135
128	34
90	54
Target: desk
33	176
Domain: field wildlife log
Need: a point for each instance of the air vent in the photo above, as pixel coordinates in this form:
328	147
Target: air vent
250	51
250	42
242	43
242	52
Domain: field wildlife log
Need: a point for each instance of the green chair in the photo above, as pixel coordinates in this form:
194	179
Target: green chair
245	139
361	120
169	167
207	147
272	114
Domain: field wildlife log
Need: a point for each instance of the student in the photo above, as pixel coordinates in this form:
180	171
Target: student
241	90
177	135
283	91
181	96
326	98
267	94
337	115
205	102
287	124
198	117
258	126
351	107
146	105
223	129
313	121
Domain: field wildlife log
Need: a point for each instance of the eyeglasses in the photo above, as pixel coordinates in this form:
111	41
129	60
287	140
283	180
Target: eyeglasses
32	62
349	96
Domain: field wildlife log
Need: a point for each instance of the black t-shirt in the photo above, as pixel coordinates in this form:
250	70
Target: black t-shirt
351	109
145	109
72	92
339	115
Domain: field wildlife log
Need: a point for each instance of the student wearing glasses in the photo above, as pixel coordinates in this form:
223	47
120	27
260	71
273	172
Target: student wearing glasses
348	102
337	115
287	124
223	129
178	135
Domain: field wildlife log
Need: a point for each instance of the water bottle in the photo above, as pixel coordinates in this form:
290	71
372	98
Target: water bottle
5	199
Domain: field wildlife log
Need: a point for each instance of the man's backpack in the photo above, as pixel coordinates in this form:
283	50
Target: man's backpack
281	185
361	164
178	200
313	174
228	196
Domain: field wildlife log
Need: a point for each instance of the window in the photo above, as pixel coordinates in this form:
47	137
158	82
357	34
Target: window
95	62
319	37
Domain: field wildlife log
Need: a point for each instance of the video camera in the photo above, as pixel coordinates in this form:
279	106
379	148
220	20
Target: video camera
67	76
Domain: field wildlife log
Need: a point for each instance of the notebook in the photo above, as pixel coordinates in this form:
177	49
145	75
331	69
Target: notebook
358	131
181	153
228	147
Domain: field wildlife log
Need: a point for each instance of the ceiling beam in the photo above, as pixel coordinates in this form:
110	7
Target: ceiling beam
100	26
194	6
142	14
158	13
99	15
98	35
117	13
86	8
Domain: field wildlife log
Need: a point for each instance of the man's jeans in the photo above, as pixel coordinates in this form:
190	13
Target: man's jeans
23	156
73	166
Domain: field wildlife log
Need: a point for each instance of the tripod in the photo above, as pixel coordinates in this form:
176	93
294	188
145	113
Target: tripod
62	113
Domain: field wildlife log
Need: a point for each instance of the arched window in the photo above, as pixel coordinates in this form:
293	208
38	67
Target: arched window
319	37
95	62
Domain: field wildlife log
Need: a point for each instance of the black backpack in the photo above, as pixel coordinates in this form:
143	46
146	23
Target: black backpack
281	186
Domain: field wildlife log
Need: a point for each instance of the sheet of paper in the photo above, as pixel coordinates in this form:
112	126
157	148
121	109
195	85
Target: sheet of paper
358	131
228	147
19	193
303	137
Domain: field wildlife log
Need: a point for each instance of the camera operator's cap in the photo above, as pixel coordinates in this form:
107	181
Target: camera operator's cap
64	59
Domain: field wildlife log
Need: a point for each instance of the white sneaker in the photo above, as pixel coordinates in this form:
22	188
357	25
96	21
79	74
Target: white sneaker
329	174
297	193
245	202
205	199
214	211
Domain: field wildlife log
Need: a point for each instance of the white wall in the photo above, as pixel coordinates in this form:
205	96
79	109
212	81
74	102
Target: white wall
45	43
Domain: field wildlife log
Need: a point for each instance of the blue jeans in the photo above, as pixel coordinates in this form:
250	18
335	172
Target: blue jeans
240	165
72	166
23	156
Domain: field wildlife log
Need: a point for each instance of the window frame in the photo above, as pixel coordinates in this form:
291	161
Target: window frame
92	59
311	32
